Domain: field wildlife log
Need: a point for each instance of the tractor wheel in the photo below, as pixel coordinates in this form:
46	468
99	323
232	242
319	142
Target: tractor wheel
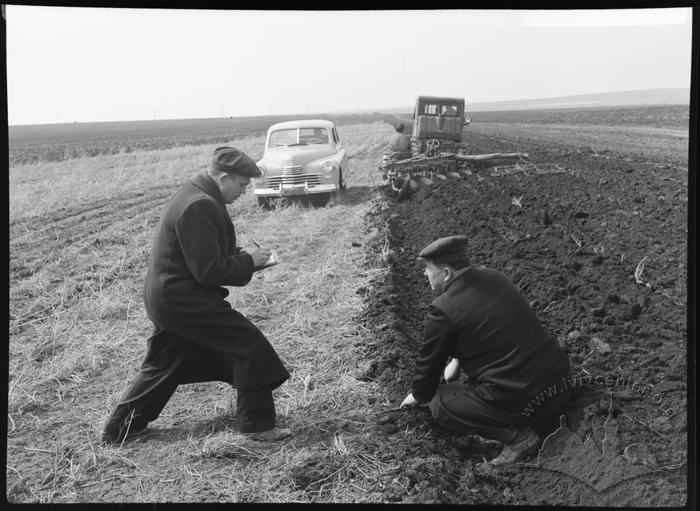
408	188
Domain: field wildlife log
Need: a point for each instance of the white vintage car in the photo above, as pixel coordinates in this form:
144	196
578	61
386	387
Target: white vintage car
302	158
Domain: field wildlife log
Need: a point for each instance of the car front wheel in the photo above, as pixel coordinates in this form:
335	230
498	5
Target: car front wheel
341	182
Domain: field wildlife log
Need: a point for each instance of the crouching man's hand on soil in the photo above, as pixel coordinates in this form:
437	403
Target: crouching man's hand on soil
409	401
452	371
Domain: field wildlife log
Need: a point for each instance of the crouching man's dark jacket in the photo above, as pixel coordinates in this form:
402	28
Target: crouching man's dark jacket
483	320
194	254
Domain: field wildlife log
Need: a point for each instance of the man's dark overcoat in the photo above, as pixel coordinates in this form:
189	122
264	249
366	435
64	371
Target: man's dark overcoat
482	319
194	254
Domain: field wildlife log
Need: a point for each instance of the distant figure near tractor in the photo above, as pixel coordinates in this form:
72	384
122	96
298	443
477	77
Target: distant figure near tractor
482	321
399	144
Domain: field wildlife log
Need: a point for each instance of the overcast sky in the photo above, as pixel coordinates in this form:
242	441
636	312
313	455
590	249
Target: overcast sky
68	64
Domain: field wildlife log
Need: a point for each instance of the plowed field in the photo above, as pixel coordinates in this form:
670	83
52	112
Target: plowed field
623	441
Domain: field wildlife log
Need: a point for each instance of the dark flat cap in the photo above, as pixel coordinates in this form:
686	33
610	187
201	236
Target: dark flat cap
449	245
232	161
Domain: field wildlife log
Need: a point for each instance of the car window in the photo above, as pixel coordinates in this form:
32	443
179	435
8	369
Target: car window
336	139
313	136
282	138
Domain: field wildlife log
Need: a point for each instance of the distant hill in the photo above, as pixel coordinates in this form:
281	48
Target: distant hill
670	96
677	96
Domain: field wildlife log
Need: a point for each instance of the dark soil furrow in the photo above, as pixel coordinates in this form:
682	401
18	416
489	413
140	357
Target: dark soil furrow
577	272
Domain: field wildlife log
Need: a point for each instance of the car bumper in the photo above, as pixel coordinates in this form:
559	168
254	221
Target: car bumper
286	190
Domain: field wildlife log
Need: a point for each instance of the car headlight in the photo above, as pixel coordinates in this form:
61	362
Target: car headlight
327	166
262	169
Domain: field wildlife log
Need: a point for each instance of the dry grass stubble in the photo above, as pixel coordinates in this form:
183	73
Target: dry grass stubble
78	329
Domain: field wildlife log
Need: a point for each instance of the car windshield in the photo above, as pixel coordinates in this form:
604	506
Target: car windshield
298	136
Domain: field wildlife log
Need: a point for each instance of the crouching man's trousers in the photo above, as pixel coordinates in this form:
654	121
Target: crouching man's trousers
456	406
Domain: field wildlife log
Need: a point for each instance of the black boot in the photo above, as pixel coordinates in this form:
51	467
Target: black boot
120	428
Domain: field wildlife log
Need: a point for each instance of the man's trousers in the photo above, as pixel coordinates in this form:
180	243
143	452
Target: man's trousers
171	361
456	406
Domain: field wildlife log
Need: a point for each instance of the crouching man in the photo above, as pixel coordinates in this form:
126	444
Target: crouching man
481	320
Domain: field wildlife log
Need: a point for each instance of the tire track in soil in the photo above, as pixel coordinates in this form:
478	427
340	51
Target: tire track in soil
33	239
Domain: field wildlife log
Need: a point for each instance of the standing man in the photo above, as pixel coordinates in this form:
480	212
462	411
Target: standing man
399	144
481	320
198	336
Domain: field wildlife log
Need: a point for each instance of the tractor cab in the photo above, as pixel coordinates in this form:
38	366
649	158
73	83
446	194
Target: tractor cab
438	118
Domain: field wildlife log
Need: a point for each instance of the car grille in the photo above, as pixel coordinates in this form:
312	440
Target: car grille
292	175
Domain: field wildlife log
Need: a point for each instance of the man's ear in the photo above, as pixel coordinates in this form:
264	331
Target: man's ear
220	178
447	272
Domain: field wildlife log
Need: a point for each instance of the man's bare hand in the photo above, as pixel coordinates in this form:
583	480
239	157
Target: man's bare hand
452	371
408	401
260	255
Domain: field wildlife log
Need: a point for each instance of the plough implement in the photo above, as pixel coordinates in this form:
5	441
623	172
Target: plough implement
436	136
406	176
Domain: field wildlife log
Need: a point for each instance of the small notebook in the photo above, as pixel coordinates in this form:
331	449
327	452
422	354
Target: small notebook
273	260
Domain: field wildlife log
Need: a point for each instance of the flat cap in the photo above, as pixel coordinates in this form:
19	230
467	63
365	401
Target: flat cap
450	245
232	161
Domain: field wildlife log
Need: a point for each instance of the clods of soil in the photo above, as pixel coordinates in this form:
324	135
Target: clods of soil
574	248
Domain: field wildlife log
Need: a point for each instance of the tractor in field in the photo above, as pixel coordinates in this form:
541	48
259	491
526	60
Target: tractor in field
436	147
437	123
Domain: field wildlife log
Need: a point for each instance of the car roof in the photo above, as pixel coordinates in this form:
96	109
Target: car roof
305	123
